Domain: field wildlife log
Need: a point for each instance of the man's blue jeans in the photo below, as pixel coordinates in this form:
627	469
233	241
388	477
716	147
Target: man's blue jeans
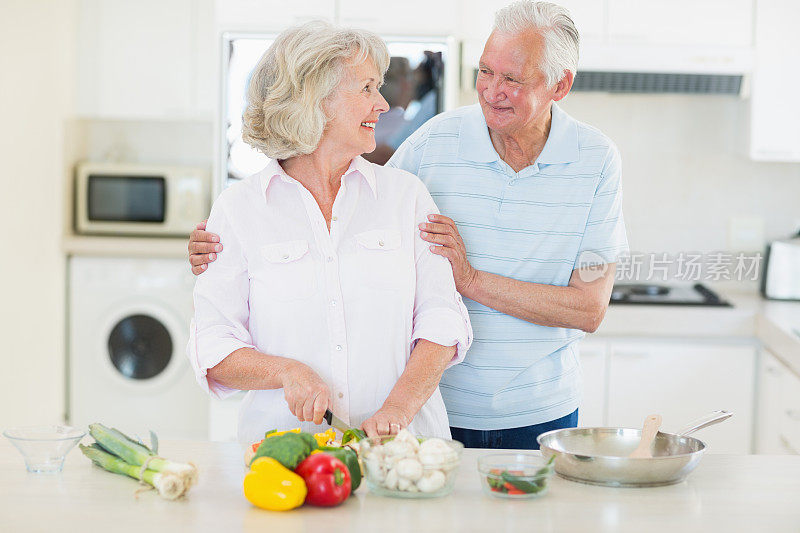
523	438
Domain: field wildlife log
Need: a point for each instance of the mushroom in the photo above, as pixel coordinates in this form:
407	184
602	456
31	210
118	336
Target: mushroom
409	469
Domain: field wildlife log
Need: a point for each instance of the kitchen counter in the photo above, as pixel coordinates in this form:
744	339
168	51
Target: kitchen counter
725	493
775	324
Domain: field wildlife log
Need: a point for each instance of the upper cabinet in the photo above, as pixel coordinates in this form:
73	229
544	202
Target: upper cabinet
411	17
775	107
681	22
270	15
136	59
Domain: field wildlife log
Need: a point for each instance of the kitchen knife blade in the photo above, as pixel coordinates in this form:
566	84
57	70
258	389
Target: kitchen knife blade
334	421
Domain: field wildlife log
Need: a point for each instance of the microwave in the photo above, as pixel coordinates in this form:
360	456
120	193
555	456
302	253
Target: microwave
141	200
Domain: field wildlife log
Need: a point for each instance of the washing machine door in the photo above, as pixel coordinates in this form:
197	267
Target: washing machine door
143	346
140	346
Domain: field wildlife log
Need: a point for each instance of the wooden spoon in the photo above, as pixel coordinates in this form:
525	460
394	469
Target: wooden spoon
651	426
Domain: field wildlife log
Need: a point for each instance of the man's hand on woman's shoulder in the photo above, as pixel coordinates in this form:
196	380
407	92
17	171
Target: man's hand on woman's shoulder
203	248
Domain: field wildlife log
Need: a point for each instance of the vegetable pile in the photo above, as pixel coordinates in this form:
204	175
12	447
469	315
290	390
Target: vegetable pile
117	453
290	468
516	482
408	465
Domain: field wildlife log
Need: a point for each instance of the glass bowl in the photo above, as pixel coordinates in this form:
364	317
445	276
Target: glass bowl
401	470
44	447
517	476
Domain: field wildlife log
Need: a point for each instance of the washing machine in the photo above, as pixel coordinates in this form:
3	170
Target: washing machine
128	328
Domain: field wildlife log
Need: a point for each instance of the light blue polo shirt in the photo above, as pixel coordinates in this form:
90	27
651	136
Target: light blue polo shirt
531	226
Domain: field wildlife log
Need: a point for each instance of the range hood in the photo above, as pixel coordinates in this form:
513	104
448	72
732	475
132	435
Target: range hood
664	69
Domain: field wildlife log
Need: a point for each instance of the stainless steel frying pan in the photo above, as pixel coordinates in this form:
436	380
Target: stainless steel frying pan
600	455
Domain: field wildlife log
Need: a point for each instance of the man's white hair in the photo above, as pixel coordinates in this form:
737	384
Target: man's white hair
561	39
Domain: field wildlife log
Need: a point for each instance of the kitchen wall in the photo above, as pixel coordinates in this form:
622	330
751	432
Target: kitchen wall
37	72
686	171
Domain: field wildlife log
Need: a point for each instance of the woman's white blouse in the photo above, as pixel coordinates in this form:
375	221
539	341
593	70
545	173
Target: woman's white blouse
350	303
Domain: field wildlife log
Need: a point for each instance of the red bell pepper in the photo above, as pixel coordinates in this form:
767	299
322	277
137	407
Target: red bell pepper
327	479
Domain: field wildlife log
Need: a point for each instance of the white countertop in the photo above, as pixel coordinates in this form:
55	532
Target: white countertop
725	493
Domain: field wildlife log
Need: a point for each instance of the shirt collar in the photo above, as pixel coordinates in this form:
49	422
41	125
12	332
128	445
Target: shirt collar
561	145
474	143
358	164
562	142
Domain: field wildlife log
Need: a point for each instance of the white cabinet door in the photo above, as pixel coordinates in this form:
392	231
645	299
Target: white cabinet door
270	15
135	59
593	355
681	22
411	17
774	106
683	382
772	375
789	424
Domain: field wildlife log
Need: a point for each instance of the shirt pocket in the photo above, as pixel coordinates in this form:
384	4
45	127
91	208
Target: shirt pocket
380	259
286	270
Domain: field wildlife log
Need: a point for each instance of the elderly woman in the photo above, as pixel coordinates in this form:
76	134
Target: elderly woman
326	297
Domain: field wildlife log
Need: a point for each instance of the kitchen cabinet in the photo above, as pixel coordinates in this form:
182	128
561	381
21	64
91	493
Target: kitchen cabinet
270	16
132	64
681	22
774	106
593	356
412	17
772	377
683	381
789	411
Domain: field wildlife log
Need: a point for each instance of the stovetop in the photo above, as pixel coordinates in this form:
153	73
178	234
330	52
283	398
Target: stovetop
653	294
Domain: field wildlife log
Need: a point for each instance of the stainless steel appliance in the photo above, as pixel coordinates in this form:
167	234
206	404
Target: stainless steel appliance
781	279
151	200
652	294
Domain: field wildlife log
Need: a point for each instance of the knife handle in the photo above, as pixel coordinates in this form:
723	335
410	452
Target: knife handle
328	416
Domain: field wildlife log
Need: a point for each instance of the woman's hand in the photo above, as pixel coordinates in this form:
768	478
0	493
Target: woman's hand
306	394
388	420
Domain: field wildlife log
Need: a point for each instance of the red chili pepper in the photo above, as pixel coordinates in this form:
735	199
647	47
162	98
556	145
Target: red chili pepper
327	479
512	489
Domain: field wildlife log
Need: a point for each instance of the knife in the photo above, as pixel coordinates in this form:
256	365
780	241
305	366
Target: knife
334	421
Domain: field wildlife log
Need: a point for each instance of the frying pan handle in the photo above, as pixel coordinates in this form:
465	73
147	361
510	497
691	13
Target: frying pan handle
709	420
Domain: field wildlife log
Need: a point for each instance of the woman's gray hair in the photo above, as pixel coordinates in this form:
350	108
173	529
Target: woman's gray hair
285	116
561	39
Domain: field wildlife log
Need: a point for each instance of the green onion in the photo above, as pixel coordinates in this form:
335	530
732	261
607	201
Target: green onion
169	486
136	454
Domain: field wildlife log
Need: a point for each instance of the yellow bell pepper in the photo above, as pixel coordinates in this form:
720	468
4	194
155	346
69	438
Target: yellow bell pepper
276	433
324	438
270	485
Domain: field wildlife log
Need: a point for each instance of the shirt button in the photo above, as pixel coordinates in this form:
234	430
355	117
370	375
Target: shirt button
330	259
338	347
341	395
380	243
333	303
334	218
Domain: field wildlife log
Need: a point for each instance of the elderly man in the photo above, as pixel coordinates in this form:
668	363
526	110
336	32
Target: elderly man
534	227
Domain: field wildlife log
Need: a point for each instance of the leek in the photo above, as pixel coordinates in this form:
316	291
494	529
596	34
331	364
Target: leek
136	454
169	486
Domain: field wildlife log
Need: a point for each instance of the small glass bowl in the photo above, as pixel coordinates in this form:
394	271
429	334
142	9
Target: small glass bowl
516	476
376	471
44	447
